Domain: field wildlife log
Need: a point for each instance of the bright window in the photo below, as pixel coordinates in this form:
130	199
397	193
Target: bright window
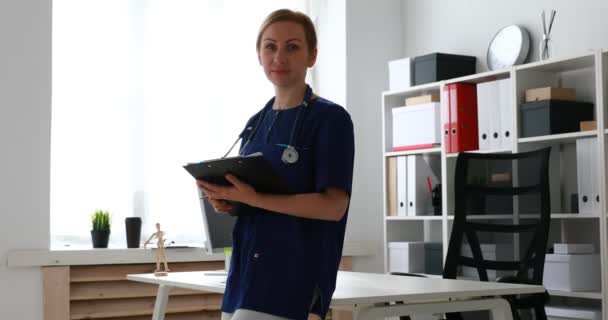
140	88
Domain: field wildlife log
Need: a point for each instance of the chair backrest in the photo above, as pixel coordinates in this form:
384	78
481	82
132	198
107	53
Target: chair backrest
487	185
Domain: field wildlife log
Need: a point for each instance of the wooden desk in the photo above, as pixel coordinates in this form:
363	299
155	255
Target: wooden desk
367	293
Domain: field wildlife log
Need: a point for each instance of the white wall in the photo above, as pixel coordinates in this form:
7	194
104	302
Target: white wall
468	26
373	36
25	127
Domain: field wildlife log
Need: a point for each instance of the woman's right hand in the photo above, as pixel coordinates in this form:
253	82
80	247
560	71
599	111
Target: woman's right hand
220	206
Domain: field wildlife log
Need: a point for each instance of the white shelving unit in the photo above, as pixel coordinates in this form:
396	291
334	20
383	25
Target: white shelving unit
412	152
588	74
581	295
421	218
559	138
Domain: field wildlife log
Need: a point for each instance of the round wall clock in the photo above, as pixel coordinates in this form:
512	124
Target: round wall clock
509	47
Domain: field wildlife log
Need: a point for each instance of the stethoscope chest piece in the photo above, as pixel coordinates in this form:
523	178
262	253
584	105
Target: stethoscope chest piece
290	155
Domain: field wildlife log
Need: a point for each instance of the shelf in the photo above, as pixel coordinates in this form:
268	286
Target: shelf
436	150
562	216
567	216
435	86
486	217
455	154
482	77
561	64
427	87
573	216
563	137
418	218
580	294
528	216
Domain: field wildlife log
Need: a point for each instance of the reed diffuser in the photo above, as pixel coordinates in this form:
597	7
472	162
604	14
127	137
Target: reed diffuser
546	46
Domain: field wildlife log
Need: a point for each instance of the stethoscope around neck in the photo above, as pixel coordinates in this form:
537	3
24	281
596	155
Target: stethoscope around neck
290	154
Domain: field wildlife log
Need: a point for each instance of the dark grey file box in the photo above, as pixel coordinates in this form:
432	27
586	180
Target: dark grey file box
441	66
539	118
433	257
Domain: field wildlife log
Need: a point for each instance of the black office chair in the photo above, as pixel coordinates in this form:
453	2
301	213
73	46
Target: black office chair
496	184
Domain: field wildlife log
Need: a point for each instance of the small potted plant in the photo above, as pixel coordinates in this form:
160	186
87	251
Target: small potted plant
100	229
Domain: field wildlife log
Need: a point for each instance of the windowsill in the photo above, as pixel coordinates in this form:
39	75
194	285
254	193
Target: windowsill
88	256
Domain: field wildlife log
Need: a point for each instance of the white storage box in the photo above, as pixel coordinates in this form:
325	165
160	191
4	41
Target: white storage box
406	257
572	272
572	313
416	127
400	74
570	248
494	252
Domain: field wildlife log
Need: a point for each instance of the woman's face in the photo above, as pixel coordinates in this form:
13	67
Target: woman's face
284	54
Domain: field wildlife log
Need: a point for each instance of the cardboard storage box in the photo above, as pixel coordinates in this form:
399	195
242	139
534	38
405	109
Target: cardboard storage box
416	127
493	252
421	99
588	125
440	66
571	313
553	116
400	74
572	272
406	257
549	93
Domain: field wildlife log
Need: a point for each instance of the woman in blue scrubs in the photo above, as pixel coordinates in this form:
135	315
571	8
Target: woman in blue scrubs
287	248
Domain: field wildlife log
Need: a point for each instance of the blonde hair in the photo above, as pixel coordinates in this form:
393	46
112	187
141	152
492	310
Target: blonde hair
292	16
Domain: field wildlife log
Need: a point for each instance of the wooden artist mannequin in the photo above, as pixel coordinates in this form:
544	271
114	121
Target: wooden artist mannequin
160	251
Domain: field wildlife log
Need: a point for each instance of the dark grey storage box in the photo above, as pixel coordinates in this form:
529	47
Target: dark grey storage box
539	118
441	66
433	257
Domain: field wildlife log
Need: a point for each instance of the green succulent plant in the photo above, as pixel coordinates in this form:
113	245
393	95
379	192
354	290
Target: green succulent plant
100	221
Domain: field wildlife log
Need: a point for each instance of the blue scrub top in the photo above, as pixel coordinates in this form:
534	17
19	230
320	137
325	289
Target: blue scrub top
280	262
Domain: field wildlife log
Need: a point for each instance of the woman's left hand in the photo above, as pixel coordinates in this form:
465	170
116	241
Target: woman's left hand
239	191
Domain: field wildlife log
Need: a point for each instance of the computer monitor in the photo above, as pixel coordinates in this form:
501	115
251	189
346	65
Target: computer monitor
218	228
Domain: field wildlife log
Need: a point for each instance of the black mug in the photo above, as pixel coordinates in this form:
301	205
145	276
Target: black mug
133	227
436	199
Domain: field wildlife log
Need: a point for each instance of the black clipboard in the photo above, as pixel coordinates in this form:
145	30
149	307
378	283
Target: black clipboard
254	170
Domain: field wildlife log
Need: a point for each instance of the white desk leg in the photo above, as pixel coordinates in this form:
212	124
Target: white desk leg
499	308
160	306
